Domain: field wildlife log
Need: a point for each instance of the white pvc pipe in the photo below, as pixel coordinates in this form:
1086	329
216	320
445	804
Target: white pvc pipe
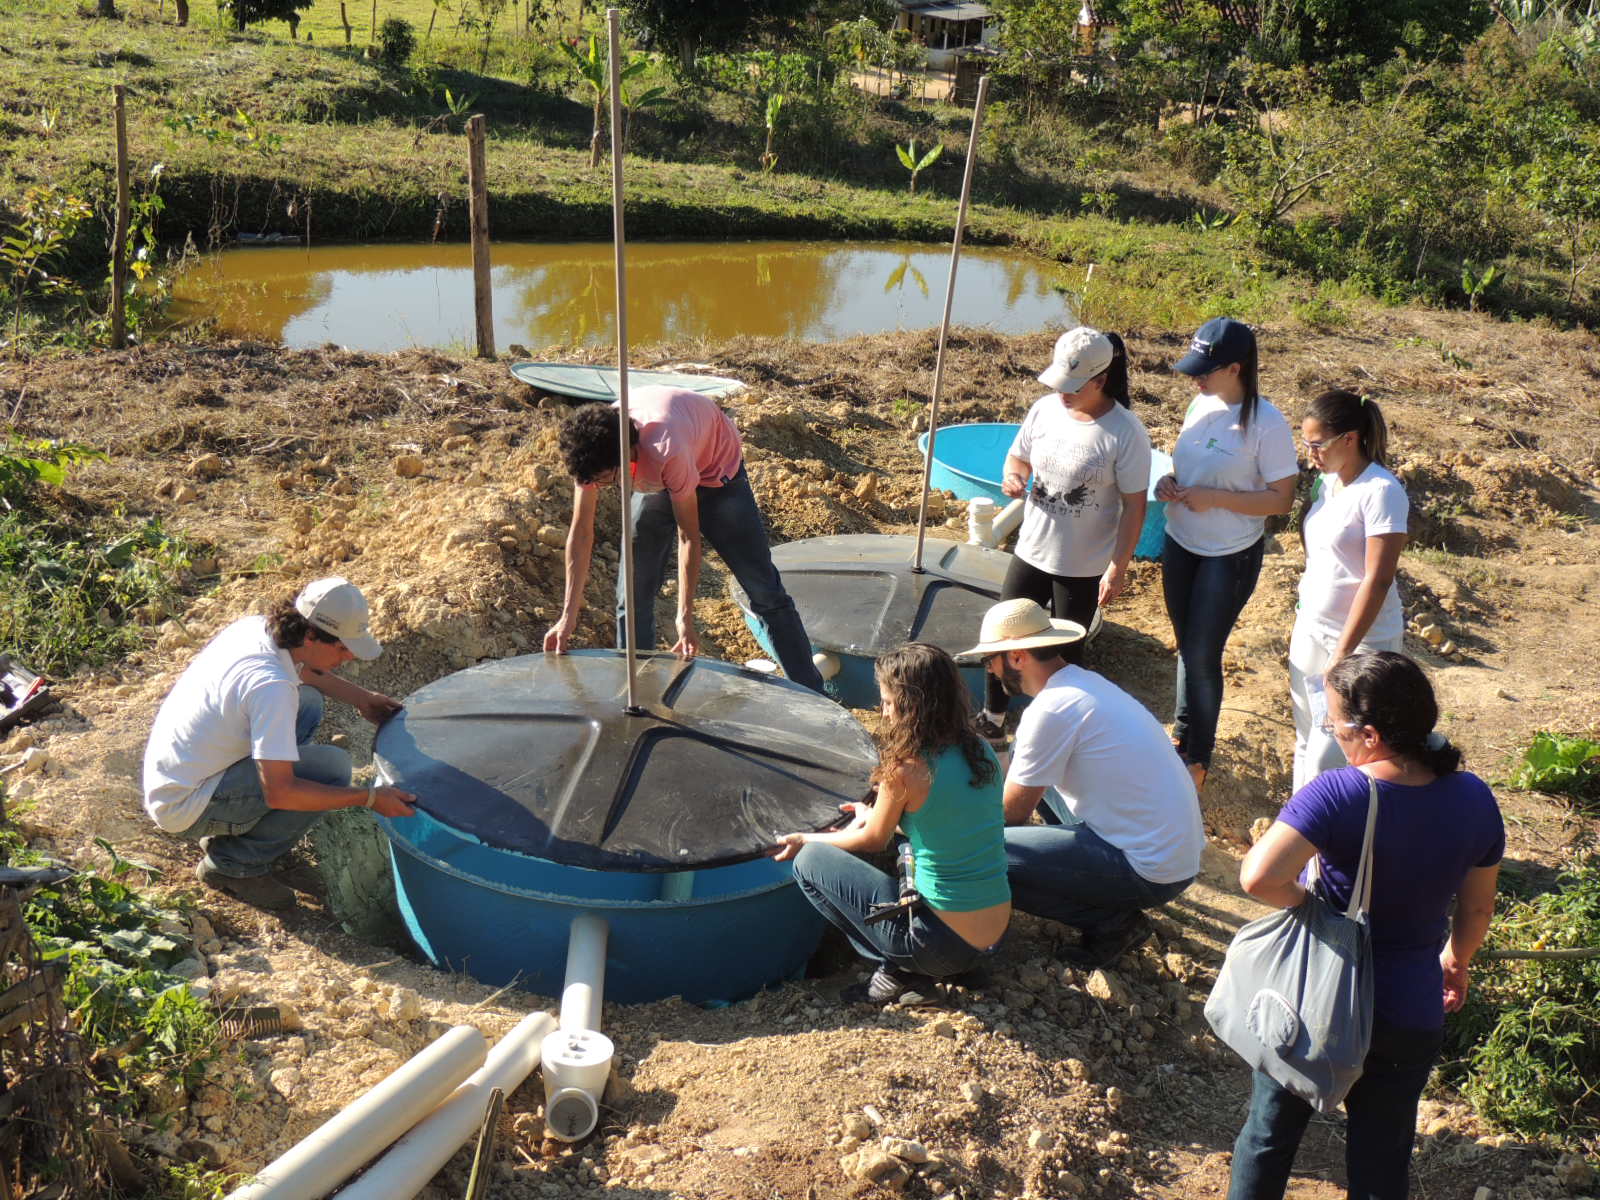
827	664
416	1158
584	990
317	1164
619	242
577	1056
1010	517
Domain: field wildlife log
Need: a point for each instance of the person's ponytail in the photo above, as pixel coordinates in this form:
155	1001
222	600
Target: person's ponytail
1339	411
1116	385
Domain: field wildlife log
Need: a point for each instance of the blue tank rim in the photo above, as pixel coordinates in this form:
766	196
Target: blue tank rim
400	842
922	447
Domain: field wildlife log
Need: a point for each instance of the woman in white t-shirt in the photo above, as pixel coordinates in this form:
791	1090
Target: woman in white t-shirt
1354	531
1233	466
1089	458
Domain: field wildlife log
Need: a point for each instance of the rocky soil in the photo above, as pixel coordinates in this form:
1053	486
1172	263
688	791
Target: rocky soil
434	483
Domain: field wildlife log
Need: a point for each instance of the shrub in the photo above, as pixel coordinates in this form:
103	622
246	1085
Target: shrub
396	41
1529	1059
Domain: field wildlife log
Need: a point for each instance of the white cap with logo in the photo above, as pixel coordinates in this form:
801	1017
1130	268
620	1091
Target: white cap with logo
335	605
1081	354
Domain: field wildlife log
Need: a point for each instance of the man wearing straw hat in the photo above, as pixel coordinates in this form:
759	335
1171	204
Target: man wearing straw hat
688	475
1122	828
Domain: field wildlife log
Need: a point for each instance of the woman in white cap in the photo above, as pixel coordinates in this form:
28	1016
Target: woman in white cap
1354	532
1233	466
1089	459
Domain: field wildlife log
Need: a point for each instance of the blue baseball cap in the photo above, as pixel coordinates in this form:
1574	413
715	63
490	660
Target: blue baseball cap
1220	342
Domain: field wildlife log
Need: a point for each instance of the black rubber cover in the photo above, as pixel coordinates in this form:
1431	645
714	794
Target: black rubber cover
536	754
857	593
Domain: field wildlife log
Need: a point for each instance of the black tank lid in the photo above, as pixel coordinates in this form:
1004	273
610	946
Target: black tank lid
536	754
857	593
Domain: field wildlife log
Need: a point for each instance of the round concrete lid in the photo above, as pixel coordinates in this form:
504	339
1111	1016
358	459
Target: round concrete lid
536	754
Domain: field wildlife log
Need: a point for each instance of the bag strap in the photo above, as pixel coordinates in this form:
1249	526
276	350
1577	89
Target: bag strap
1361	892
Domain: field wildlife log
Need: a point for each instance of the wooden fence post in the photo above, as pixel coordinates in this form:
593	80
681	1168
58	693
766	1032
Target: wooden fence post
482	295
119	253
344	19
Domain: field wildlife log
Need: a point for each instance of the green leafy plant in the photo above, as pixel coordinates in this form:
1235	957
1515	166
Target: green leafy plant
396	42
238	128
593	69
1475	284
910	161
25	462
1528	1059
769	158
1565	764
47	219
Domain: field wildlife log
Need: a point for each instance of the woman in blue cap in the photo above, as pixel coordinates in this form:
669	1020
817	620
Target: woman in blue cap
1233	466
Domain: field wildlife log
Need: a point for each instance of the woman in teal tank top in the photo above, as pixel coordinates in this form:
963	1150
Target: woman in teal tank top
938	782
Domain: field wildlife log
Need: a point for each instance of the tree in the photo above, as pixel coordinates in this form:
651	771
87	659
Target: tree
691	26
253	12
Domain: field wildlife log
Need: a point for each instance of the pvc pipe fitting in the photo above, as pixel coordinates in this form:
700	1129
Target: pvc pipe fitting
980	521
827	664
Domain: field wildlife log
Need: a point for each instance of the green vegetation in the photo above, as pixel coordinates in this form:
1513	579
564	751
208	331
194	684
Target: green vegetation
1527	1057
1408	150
78	587
1565	764
146	1033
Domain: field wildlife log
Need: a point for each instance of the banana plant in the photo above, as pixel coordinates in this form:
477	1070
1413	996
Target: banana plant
774	107
592	68
910	161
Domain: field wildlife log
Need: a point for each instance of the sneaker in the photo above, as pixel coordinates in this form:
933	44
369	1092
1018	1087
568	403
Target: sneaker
890	985
258	891
994	734
1102	945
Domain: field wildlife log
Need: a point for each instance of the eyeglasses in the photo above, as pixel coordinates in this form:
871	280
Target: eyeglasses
1322	443
1327	727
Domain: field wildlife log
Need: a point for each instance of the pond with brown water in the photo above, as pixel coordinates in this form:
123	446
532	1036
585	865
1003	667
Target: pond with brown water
386	297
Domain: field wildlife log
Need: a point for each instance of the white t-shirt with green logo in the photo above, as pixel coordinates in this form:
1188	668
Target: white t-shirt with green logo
1080	471
1212	451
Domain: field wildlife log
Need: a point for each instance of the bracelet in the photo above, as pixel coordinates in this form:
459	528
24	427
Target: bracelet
372	796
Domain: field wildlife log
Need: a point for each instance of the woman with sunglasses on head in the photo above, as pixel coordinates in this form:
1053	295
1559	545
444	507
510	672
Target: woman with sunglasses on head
939	783
1233	466
1436	854
1089	459
1354	531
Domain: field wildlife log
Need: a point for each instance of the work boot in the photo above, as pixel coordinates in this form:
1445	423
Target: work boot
258	891
890	985
1102	945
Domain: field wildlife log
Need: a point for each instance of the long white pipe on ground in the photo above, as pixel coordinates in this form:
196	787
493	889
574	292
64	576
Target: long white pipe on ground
577	1057
316	1165
416	1158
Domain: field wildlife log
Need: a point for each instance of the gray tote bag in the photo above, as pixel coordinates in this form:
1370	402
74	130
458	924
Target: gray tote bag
1294	996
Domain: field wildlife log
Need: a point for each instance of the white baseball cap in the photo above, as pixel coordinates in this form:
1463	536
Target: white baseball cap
1081	354
335	605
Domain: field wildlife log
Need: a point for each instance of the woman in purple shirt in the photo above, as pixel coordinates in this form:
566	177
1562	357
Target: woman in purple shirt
1436	854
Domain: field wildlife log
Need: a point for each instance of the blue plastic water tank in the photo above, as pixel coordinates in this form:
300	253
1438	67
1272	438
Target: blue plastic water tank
540	797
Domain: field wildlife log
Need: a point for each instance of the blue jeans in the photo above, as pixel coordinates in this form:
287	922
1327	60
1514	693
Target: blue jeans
1069	873
243	836
1382	1112
1205	596
844	889
732	524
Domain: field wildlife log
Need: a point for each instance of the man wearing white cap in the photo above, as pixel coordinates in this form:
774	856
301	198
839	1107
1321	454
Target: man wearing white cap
1123	829
230	762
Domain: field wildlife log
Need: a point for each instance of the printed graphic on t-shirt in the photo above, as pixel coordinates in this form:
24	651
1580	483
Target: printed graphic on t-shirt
1067	477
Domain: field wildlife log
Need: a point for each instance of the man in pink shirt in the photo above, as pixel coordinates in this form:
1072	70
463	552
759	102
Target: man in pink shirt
688	474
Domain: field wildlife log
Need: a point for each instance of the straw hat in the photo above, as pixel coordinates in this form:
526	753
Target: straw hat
1019	625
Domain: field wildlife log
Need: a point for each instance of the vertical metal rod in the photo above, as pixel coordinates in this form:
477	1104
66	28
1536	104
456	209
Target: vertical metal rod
624	470
944	324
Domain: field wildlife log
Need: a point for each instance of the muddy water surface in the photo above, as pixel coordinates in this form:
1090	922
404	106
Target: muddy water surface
385	297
